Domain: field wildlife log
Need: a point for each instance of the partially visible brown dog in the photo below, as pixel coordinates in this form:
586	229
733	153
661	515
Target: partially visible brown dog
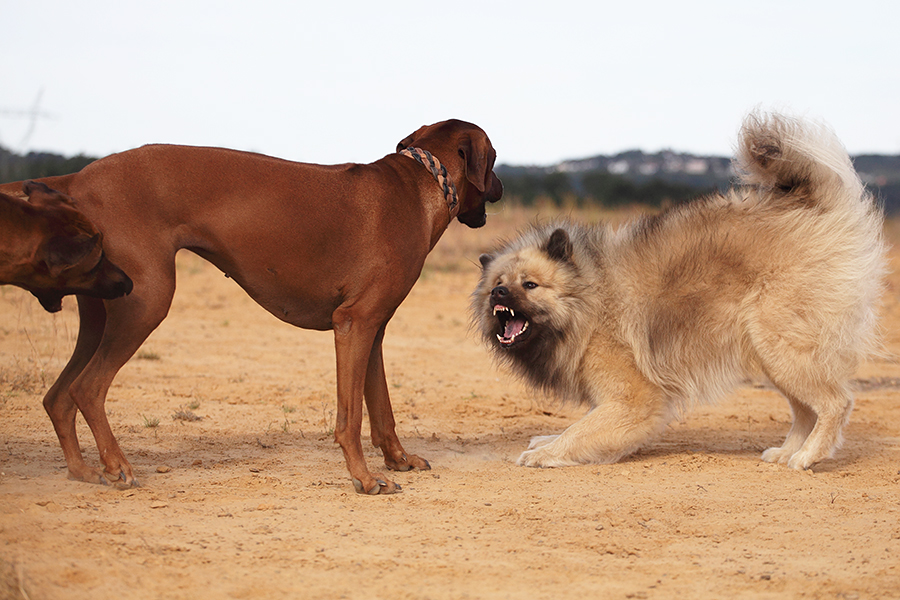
50	249
321	247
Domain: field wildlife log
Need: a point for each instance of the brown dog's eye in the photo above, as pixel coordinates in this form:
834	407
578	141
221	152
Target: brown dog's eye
529	285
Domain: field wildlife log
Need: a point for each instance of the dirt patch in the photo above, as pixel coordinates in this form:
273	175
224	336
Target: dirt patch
227	416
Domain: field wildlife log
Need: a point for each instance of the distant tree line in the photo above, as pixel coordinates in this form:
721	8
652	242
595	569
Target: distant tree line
588	181
595	187
15	167
594	181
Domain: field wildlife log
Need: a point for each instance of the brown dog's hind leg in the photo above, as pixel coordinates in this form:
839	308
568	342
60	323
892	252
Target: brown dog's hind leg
381	415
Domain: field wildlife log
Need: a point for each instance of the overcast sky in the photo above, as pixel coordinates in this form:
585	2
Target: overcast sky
341	81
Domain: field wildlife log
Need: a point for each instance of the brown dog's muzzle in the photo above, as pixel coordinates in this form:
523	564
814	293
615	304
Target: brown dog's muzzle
114	283
496	191
477	217
106	281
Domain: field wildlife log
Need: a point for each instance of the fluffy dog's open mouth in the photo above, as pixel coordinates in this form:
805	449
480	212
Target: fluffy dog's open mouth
515	327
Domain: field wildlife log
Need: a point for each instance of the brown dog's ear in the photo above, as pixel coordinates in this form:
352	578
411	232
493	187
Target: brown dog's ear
485	260
408	140
63	252
31	187
476	152
559	246
40	194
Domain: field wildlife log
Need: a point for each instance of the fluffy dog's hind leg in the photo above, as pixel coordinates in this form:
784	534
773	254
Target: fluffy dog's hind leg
820	416
802	426
833	413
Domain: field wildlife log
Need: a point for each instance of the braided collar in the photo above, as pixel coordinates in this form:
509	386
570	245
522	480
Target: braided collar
439	171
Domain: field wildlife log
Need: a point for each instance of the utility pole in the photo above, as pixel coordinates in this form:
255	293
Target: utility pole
32	114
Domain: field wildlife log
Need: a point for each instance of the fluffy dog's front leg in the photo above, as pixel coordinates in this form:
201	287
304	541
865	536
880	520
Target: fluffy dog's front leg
633	414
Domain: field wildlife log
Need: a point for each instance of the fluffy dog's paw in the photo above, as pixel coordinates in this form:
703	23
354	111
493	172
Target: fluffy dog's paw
539	441
796	460
776	455
803	460
545	456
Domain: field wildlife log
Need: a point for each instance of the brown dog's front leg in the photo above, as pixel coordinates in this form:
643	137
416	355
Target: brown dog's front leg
59	403
91	400
381	415
62	411
353	346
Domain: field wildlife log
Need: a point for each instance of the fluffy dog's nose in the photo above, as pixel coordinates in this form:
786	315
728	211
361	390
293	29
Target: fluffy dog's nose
499	292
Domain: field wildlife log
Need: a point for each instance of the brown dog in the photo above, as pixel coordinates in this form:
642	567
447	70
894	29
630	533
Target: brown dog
50	249
321	247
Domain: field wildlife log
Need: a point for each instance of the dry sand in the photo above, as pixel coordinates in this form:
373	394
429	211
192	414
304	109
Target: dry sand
252	499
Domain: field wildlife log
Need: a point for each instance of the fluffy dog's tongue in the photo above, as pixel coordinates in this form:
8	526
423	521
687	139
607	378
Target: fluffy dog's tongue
514	327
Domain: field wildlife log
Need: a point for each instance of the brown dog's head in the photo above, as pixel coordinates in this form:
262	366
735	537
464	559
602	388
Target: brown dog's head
468	154
54	250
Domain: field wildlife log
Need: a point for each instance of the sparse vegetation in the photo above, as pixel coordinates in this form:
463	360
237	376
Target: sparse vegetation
186	414
22	381
327	418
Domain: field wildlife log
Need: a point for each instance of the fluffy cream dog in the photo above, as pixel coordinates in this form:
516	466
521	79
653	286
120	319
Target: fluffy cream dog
779	277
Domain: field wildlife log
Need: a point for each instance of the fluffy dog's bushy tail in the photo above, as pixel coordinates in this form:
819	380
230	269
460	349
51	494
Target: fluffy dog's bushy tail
800	161
800	166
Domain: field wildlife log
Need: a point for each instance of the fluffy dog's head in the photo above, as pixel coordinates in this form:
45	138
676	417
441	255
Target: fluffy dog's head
531	302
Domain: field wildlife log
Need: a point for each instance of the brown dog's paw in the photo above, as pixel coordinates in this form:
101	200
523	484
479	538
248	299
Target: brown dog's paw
381	486
87	475
120	482
407	463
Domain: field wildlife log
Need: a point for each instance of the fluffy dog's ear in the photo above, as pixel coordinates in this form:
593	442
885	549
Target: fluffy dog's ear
479	157
559	246
485	260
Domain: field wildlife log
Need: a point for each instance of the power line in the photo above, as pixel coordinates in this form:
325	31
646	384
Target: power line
32	114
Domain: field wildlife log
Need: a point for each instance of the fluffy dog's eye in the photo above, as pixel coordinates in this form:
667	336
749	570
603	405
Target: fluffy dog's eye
529	285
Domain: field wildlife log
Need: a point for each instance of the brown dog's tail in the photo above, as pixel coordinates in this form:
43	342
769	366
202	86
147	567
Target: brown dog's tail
799	161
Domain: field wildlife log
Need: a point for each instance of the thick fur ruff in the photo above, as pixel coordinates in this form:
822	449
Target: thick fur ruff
781	277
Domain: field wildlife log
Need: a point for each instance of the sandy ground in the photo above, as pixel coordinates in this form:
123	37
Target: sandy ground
227	415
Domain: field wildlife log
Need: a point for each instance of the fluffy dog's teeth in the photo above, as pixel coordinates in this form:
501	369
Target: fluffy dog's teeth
512	313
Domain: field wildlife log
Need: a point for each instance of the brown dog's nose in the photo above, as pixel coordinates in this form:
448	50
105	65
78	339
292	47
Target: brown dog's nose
499	292
114	282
